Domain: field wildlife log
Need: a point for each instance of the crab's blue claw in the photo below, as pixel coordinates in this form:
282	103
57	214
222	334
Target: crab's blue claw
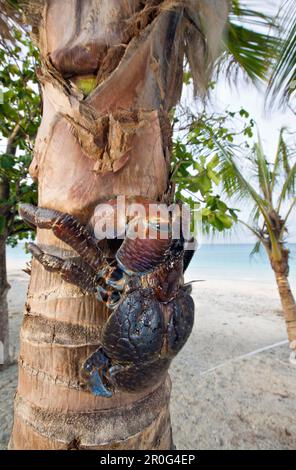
96	385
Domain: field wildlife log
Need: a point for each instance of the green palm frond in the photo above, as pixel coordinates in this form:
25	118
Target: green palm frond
9	11
256	248
286	158
282	168
263	173
250	44
279	182
282	84
289	187
286	218
237	184
254	215
280	159
234	183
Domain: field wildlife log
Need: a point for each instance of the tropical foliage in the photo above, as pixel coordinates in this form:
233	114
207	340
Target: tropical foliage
283	79
271	187
19	121
244	48
251	43
196	159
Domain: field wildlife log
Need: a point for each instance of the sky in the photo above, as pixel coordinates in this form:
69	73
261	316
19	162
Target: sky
269	123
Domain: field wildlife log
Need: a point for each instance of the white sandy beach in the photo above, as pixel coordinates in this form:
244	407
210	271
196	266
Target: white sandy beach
220	400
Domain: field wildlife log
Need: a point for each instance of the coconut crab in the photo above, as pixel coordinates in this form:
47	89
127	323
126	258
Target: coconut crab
151	310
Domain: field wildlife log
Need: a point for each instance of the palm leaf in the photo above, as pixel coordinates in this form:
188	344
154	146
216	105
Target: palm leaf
256	248
289	212
280	158
282	84
263	173
9	11
242	187
289	187
254	215
236	183
250	43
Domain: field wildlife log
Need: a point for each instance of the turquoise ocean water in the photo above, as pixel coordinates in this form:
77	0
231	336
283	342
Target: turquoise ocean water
234	262
214	261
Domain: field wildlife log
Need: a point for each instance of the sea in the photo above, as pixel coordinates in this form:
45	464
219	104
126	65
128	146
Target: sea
235	262
211	261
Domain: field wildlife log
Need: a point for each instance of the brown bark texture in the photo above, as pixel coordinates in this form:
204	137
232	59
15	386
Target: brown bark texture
116	140
281	271
4	320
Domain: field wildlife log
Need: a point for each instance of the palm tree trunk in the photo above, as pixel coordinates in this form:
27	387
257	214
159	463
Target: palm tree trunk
115	141
288	304
4	286
4	321
281	271
11	149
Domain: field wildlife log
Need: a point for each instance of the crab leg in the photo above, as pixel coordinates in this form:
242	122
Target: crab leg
93	371
68	229
67	268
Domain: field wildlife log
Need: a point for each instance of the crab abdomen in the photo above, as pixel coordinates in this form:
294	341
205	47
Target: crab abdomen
134	332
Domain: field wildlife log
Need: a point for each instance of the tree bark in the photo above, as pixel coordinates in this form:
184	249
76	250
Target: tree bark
115	141
288	304
281	271
4	286
11	149
4	320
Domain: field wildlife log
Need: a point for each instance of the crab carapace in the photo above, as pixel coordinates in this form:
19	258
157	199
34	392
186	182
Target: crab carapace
151	310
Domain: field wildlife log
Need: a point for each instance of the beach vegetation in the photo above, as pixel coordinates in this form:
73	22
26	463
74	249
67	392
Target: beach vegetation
19	120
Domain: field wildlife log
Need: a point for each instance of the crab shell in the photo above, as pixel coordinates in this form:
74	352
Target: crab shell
144	335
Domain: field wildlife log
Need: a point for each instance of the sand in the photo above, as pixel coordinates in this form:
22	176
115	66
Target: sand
223	397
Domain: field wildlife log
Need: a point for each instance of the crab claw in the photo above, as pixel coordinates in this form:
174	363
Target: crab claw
67	228
97	387
94	368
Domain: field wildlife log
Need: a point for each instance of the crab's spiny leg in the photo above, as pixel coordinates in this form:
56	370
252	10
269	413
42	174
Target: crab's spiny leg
93	370
67	268
68	229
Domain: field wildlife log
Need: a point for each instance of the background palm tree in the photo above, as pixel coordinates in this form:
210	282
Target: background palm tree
271	189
